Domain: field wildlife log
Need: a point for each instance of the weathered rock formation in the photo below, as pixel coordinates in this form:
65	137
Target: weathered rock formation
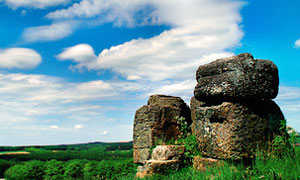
232	130
237	78
232	112
157	121
232	115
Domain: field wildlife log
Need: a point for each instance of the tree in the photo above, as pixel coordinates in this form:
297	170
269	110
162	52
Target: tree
54	170
31	170
74	170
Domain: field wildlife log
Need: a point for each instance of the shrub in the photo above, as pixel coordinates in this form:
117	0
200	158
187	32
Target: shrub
189	141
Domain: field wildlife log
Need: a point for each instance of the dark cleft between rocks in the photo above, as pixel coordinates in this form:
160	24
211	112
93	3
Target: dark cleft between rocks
217	120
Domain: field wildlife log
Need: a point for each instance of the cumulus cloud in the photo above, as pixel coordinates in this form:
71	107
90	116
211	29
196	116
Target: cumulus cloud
116	11
81	54
41	102
24	97
51	32
38	4
182	89
201	31
20	58
297	43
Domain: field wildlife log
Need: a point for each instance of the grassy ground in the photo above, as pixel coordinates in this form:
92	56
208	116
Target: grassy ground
285	168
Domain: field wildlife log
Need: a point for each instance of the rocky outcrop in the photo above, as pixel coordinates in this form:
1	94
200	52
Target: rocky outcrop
233	130
164	158
232	112
157	121
237	78
232	116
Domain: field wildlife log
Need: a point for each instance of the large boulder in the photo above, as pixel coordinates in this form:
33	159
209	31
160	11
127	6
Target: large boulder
155	122
233	130
237	78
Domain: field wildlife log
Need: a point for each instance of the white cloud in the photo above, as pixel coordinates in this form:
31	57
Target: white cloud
201	31
20	58
39	4
289	101
53	127
78	127
288	93
117	11
29	103
133	77
81	53
297	43
29	98
51	32
182	89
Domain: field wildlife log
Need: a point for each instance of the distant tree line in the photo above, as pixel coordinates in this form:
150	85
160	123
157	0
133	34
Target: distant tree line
73	169
78	147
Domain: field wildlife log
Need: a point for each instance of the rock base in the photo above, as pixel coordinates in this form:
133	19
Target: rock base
164	158
202	163
168	152
157	167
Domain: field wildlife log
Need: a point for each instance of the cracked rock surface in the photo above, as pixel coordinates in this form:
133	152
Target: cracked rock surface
237	78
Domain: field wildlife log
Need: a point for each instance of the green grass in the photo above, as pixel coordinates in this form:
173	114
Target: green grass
285	168
105	162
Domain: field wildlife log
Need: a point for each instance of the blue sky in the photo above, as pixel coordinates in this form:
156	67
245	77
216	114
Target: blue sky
76	71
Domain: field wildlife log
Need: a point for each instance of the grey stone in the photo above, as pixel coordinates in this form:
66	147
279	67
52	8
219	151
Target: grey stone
157	121
164	158
157	167
232	130
168	152
237	78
